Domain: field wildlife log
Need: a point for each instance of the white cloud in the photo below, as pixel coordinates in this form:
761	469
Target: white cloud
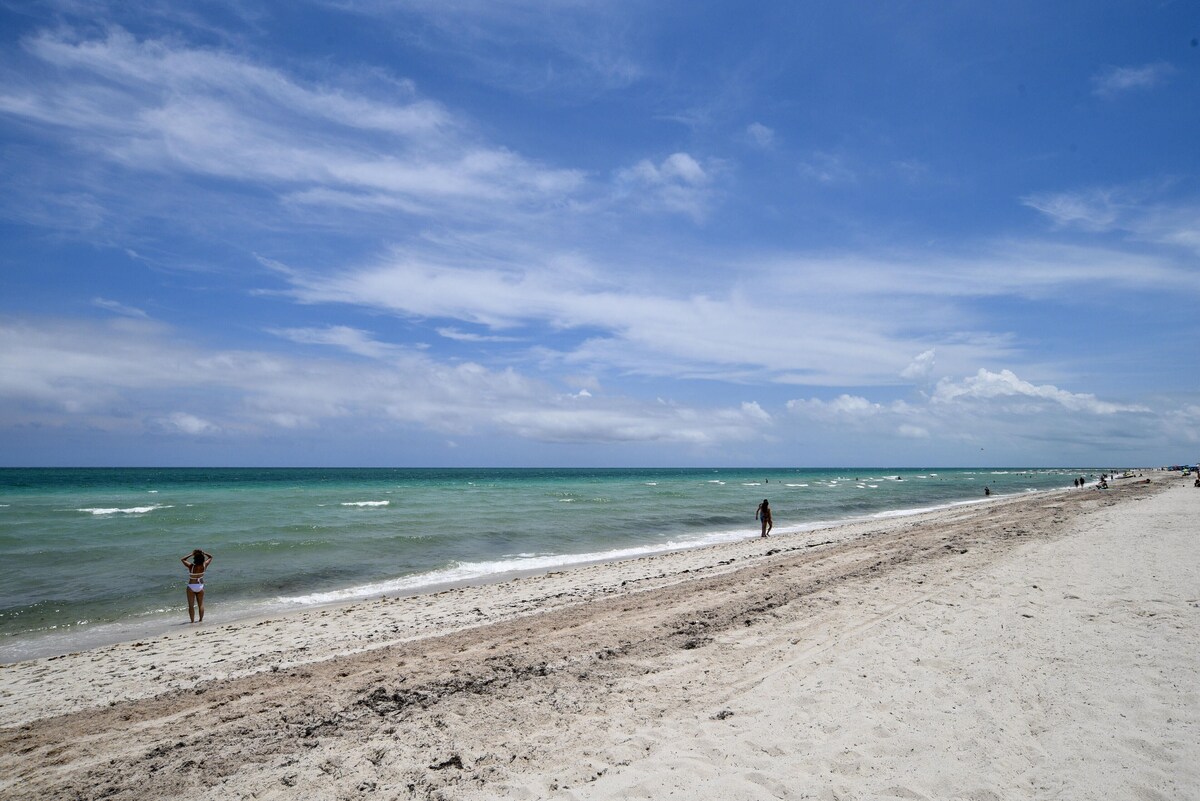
1129	209
351	339
136	70
635	328
466	336
872	315
1094	210
991	406
678	184
843	406
988	386
135	375
662	423
750	410
1176	226
189	424
828	168
119	308
760	135
1117	80
1027	268
921	367
155	106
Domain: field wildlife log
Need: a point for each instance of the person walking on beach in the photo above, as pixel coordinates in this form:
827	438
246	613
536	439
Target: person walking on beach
763	513
195	586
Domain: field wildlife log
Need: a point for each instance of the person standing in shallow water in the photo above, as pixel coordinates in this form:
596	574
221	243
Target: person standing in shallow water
763	514
195	586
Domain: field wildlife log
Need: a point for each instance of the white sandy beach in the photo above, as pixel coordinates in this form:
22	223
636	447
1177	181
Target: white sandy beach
1045	646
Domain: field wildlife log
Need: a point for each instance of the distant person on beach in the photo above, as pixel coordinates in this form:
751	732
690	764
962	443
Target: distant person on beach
195	586
987	490
763	513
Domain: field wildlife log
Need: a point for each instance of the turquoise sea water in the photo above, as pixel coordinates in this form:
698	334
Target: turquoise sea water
89	556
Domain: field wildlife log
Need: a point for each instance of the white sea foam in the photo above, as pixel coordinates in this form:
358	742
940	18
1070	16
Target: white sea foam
131	510
470	572
366	503
921	509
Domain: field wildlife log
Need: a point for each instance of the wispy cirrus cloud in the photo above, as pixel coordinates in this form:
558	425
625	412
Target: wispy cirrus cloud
1138	211
117	307
1091	210
603	323
1114	81
860	320
157	106
576	46
455	334
352	340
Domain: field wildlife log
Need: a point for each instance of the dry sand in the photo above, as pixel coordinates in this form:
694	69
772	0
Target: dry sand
1046	646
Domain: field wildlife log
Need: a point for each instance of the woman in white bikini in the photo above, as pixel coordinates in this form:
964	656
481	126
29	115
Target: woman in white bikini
195	586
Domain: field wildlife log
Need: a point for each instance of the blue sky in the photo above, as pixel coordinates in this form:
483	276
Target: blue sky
506	232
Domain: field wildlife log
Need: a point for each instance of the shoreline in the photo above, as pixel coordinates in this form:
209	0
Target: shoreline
154	625
407	616
629	642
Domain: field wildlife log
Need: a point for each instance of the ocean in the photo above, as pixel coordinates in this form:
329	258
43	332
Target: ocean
92	556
